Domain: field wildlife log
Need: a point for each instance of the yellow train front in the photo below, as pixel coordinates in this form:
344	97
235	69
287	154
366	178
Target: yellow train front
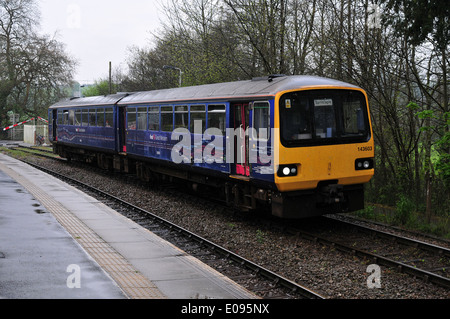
324	150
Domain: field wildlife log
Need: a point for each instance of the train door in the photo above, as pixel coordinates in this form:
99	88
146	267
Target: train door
54	125
241	139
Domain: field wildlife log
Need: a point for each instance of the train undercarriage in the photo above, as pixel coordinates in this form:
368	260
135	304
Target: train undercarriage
236	191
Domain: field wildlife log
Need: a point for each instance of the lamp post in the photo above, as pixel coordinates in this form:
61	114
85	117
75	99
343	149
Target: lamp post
173	68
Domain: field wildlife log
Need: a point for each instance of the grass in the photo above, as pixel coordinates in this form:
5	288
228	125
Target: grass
14	152
404	215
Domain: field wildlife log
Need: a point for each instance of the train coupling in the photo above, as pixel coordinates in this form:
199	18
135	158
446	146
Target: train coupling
332	194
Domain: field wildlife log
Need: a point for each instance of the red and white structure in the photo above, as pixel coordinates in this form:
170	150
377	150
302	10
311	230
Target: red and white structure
21	123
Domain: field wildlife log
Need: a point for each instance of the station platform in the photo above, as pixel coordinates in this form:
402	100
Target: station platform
57	242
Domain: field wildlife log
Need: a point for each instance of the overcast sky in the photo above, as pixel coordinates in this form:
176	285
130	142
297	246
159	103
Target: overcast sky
98	31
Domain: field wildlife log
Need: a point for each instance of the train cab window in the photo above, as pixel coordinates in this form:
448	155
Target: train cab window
181	116
153	118
166	118
101	117
317	117
295	120
92	117
142	119
216	117
324	118
261	120
198	113
77	118
353	122
131	118
109	117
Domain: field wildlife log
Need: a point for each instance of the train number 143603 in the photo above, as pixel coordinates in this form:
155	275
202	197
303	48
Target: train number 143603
364	148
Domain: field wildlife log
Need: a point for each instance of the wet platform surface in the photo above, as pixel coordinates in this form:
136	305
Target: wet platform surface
38	258
53	237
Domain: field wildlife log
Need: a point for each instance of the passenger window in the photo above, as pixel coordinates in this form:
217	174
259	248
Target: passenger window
153	118
65	117
198	113
100	117
142	119
60	119
181	116
109	117
71	117
92	117
85	117
78	117
216	117
261	120
131	118
166	118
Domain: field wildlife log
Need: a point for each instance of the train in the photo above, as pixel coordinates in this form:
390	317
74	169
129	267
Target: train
295	146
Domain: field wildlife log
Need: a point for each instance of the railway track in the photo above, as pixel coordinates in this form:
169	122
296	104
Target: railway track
430	263
419	259
41	152
255	277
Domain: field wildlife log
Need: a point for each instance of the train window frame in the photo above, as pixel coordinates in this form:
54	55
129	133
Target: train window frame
131	118
152	111
142	126
217	109
181	112
256	129
166	110
197	109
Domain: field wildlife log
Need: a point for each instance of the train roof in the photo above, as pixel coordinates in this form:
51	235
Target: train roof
103	100
258	87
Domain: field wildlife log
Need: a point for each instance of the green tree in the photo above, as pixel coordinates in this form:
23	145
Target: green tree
100	87
427	22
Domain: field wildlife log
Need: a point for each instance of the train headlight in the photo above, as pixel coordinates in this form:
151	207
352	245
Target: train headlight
287	170
363	163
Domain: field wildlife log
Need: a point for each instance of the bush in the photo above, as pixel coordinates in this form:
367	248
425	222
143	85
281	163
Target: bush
404	211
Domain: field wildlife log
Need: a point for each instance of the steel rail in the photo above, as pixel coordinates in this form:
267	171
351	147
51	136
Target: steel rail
377	259
37	152
443	251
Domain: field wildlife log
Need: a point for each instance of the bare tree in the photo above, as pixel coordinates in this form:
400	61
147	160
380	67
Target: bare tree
33	66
